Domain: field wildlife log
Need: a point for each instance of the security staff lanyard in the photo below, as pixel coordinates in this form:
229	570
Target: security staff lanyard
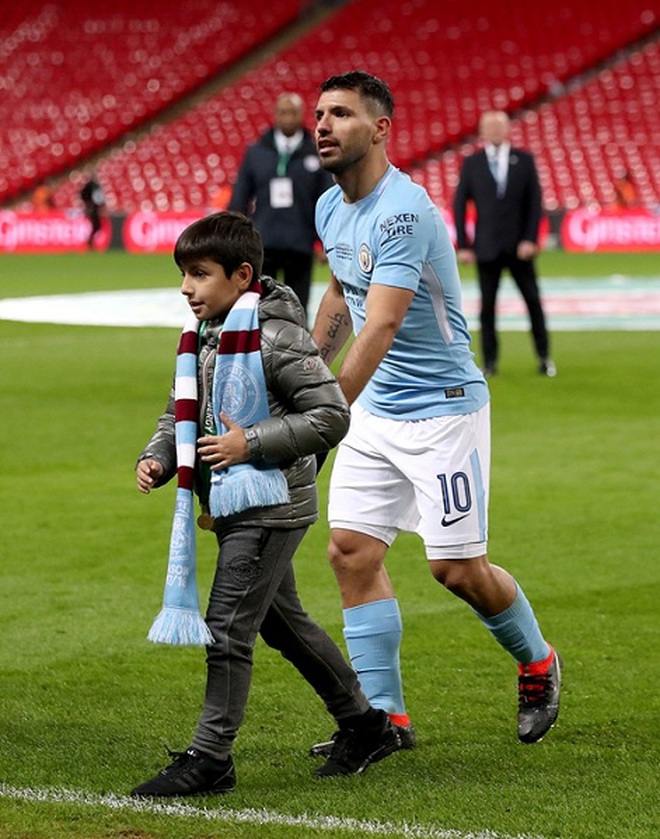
281	186
282	163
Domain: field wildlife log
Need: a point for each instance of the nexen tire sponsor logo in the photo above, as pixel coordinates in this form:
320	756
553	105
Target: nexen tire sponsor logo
401	224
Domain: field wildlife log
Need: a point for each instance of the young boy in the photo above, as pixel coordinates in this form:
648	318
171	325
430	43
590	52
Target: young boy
254	590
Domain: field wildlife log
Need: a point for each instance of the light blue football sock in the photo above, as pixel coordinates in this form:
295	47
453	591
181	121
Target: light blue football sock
516	629
373	636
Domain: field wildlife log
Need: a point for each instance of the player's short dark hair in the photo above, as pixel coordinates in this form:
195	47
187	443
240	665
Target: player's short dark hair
227	237
369	87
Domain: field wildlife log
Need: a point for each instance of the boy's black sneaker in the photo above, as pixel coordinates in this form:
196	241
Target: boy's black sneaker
406	733
355	748
190	773
538	699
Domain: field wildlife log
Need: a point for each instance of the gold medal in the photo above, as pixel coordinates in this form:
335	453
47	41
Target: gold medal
205	521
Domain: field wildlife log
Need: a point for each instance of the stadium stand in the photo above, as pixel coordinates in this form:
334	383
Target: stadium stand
602	127
75	77
446	63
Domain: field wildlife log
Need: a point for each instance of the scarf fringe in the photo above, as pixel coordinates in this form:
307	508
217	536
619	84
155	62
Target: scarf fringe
238	489
180	627
180	622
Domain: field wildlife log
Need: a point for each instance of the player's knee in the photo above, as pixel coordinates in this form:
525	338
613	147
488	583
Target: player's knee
350	555
447	574
460	576
338	555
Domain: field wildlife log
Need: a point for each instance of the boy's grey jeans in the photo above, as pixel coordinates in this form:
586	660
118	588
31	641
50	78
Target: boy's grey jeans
254	590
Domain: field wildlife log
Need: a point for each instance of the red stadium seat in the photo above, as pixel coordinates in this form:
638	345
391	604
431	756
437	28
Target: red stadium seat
446	63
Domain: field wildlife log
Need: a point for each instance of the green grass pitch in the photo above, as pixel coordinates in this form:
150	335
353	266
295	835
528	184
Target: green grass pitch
87	704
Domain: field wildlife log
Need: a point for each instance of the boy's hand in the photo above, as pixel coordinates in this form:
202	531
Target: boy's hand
149	472
226	449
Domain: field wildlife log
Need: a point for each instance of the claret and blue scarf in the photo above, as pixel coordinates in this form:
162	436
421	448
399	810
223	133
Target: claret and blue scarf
239	391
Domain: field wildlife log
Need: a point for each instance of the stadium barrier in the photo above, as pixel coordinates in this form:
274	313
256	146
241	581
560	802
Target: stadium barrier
610	230
632	229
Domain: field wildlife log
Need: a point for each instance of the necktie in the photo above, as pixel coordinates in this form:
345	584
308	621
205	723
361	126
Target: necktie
498	173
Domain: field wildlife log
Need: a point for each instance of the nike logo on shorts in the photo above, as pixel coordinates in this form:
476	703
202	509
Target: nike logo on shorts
448	522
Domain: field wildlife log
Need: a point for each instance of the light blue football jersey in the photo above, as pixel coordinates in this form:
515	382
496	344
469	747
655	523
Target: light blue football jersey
396	237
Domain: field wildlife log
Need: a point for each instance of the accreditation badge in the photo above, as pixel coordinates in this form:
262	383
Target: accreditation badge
281	193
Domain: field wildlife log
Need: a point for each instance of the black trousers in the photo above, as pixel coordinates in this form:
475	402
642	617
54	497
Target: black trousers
95	221
524	276
254	591
296	270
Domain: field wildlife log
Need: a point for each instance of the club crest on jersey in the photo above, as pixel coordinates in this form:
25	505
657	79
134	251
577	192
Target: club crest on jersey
365	259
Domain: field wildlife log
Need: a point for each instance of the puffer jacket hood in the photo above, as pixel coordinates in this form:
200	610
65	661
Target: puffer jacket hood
279	302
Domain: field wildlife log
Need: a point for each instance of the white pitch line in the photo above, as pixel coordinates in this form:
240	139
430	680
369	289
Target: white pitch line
247	816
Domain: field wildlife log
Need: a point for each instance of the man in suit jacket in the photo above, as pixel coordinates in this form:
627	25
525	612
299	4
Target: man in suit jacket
278	184
503	185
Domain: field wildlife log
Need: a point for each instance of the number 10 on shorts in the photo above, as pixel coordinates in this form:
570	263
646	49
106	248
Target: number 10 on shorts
456	497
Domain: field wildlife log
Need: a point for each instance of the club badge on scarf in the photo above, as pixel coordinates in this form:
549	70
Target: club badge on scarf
239	391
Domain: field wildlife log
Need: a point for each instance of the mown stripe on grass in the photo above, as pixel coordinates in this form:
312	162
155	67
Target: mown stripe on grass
246	816
571	304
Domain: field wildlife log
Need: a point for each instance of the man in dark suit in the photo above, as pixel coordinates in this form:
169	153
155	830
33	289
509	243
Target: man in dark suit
503	185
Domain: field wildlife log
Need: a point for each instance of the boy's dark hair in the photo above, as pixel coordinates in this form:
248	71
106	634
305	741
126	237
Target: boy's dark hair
368	86
227	238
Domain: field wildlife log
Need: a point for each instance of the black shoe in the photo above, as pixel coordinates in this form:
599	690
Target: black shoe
190	773
538	701
353	749
489	370
406	734
547	367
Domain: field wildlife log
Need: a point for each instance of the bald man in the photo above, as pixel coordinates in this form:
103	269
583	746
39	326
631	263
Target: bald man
503	184
278	185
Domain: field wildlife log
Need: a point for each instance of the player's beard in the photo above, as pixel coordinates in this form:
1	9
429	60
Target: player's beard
345	161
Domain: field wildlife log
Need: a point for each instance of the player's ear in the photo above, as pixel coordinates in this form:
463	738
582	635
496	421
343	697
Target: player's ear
382	128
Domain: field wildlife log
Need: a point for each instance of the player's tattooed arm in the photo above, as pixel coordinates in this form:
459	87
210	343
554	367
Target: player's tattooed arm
337	330
333	323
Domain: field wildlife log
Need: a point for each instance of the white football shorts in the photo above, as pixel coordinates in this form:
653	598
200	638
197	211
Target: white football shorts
429	477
